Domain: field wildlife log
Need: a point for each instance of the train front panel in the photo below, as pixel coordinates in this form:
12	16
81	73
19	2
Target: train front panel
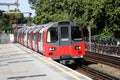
63	41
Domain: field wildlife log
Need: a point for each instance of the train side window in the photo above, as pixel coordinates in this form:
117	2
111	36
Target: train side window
32	37
28	36
76	33
39	37
52	34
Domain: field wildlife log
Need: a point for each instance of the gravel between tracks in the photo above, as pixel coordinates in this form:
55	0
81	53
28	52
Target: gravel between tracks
106	69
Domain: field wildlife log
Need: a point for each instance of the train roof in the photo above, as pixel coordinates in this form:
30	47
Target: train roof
42	27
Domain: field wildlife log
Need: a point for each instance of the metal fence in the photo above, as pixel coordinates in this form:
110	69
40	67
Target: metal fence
4	38
104	46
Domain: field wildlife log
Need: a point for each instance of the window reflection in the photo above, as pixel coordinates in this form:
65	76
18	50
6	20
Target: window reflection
76	33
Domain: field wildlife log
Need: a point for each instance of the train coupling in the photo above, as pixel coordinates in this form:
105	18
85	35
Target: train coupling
66	59
67	62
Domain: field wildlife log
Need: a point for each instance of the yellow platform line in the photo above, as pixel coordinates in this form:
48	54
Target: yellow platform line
70	74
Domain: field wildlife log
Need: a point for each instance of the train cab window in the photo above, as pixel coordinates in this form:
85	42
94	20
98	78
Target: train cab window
64	34
76	33
52	34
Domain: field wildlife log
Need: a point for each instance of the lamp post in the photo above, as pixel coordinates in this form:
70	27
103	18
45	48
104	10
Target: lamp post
89	30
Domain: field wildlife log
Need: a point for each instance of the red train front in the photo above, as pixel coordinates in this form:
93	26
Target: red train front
61	41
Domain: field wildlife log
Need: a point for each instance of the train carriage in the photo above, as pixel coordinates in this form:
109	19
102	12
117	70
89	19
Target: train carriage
62	41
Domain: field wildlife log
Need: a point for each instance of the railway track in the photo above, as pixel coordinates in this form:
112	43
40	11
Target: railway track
94	74
104	59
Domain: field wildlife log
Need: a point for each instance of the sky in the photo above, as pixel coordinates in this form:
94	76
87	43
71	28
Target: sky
23	7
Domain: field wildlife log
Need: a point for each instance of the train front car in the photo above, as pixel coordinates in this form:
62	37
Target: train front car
63	41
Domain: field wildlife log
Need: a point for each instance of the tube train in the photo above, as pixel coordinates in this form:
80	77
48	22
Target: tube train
61	41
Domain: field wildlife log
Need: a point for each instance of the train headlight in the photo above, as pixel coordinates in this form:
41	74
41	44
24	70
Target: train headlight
77	47
52	49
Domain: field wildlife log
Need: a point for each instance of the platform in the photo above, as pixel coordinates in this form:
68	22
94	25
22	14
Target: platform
20	63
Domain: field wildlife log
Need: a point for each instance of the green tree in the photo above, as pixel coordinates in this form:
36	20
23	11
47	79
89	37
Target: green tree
103	16
4	23
7	19
15	18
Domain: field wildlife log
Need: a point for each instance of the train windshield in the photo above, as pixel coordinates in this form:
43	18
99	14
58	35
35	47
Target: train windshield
76	33
64	34
52	34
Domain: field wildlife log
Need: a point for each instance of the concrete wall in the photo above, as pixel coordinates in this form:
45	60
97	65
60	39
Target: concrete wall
4	38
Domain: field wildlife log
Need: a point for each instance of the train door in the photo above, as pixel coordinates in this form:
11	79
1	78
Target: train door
34	38
65	40
40	43
30	39
22	37
36	41
26	38
33	41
